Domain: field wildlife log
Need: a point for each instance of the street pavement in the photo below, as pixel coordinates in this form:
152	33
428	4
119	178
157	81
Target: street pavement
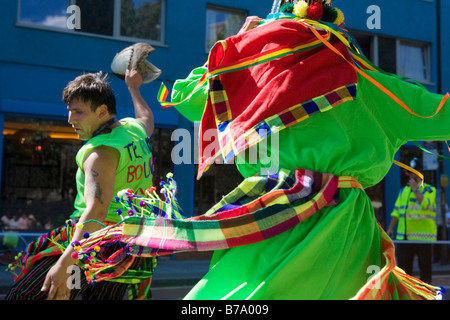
174	278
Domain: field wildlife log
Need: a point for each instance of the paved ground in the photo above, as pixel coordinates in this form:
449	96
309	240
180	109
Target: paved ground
174	278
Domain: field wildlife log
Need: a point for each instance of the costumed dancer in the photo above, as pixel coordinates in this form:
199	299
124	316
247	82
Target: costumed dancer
299	226
112	147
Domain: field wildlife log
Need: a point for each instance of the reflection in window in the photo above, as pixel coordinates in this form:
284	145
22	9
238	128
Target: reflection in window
49	13
218	181
222	23
97	16
162	148
119	18
38	170
141	19
387	52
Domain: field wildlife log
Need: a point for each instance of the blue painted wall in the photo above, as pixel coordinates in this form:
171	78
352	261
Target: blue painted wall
35	64
408	20
445	65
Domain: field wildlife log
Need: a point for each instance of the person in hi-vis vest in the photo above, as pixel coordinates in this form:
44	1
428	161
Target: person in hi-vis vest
415	216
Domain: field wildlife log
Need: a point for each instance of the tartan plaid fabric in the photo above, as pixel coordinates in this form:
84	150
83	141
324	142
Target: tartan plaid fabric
258	209
254	80
391	282
261	207
47	245
137	275
231	144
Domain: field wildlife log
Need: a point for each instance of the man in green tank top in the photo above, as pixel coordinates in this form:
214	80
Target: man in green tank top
91	106
116	155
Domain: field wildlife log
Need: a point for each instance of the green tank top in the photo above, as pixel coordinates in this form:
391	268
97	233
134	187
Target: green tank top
135	168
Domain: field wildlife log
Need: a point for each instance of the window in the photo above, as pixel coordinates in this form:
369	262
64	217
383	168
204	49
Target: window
222	23
413	61
405	58
409	59
38	173
96	16
386	53
162	146
43	12
39	168
143	19
218	181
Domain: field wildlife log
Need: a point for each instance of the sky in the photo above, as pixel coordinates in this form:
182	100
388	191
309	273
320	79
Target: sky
51	12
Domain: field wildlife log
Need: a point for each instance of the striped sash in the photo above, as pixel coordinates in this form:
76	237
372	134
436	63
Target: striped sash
258	209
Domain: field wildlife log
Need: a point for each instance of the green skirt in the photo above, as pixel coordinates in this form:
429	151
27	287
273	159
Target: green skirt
335	254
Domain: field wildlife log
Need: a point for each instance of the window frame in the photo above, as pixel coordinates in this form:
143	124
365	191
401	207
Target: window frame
398	43
116	25
223	9
375	58
425	47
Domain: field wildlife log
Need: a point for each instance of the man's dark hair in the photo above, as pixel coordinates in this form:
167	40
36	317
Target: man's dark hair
93	89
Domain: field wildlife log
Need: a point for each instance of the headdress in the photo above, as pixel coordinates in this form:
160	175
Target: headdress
309	9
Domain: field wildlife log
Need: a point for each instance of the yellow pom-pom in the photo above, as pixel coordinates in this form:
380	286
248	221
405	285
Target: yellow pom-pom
79	225
97	249
301	9
77	248
340	17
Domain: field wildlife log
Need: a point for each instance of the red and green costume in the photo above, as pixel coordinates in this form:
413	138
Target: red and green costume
308	229
330	117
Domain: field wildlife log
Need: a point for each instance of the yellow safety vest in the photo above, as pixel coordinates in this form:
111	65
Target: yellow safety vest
416	221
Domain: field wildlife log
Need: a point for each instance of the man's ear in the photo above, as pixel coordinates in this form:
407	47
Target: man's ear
102	111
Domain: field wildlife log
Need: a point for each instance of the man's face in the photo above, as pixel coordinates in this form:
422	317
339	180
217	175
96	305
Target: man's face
83	119
414	176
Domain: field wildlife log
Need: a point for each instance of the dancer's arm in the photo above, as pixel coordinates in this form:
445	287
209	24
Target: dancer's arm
142	111
99	168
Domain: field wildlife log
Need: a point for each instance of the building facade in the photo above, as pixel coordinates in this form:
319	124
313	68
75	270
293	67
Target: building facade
45	44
